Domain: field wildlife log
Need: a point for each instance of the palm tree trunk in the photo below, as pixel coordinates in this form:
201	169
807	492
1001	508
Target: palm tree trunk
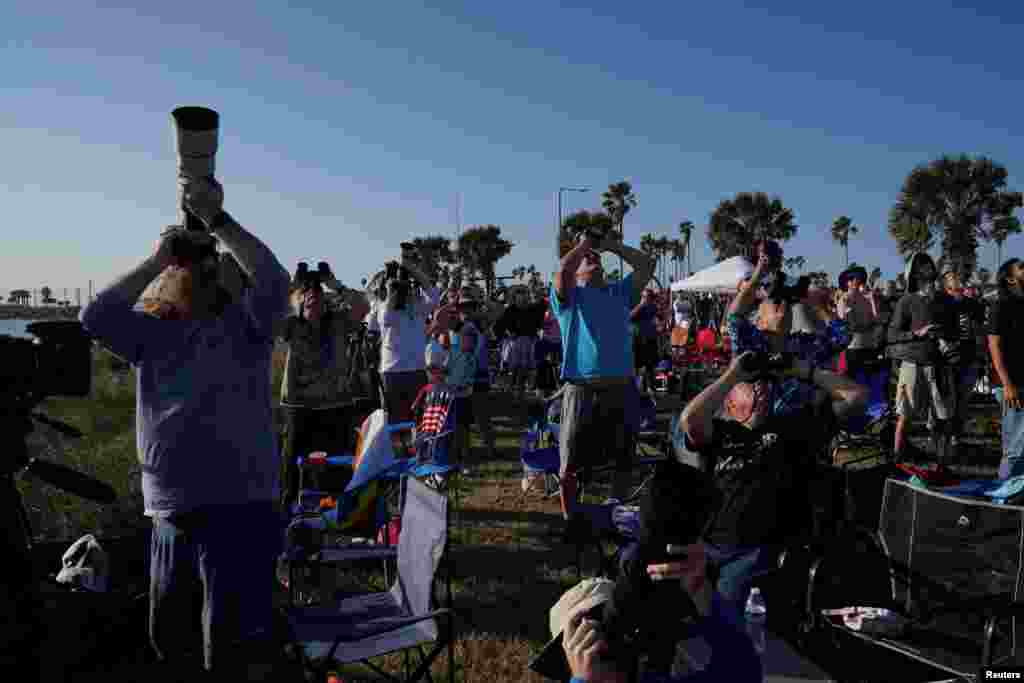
622	238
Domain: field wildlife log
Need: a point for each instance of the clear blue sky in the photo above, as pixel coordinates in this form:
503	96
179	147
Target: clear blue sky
348	127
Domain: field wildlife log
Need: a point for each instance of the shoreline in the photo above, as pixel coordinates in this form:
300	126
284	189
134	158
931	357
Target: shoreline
12	312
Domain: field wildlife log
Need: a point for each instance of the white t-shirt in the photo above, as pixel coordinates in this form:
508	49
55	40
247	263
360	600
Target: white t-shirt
683	312
403	334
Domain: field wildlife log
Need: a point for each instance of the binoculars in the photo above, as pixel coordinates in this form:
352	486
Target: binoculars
308	279
597	233
762	363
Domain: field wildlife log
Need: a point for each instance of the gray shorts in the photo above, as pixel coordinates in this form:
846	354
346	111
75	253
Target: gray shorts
924	390
594	427
400	390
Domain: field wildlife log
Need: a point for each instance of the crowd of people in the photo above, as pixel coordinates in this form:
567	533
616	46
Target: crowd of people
201	329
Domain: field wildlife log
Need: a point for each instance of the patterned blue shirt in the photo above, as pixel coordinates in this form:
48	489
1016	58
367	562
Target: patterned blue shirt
790	394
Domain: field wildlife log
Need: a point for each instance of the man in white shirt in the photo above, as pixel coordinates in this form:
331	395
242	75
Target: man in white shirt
400	314
682	311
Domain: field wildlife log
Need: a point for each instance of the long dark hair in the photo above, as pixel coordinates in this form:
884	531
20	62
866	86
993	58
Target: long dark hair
1004	274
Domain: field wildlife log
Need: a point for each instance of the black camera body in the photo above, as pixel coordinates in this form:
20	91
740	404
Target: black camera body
57	363
781	292
187	250
596	232
763	363
677	508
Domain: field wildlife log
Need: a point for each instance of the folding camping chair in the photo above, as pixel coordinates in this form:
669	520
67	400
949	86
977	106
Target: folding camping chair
406	617
539	449
941	576
337	527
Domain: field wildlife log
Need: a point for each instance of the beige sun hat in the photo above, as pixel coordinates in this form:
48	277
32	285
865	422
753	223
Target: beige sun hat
580	599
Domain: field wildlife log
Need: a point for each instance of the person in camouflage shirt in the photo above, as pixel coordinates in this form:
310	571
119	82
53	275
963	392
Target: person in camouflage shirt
315	388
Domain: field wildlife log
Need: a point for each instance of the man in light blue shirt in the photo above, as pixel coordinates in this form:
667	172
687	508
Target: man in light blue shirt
597	360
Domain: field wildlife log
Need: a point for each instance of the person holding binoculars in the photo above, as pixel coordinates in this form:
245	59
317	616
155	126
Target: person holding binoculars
404	300
315	388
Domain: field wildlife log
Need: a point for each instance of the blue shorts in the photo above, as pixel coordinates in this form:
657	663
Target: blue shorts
222	556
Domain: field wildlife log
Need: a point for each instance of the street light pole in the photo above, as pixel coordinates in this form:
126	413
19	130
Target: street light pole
558	227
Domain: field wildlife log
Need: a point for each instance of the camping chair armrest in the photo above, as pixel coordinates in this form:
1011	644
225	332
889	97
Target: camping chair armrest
422	439
329	556
992	605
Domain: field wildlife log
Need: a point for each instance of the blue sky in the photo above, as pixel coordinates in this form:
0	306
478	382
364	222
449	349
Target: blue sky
348	127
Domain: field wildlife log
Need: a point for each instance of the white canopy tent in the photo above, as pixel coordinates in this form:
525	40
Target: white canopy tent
721	277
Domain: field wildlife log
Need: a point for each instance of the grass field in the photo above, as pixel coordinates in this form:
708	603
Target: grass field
508	569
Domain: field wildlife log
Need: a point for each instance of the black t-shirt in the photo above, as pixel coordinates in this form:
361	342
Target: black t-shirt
521	321
956	319
767	477
1006	321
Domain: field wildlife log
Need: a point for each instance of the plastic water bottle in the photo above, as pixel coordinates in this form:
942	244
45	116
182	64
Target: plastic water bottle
756	606
756	612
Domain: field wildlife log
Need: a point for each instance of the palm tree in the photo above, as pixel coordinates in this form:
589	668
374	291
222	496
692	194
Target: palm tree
664	248
1000	233
795	263
686	230
842	228
678	257
479	250
617	201
748	218
954	196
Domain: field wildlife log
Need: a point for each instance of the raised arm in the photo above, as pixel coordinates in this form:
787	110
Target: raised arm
640	262
565	277
111	317
847	396
698	415
745	301
204	197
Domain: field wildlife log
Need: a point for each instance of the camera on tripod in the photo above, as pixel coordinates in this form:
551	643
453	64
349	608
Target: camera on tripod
58	362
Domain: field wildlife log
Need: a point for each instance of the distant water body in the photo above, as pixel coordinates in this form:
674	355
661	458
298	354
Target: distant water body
15	327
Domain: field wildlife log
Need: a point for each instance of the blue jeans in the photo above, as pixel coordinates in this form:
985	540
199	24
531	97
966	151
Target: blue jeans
1013	439
222	556
738	566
